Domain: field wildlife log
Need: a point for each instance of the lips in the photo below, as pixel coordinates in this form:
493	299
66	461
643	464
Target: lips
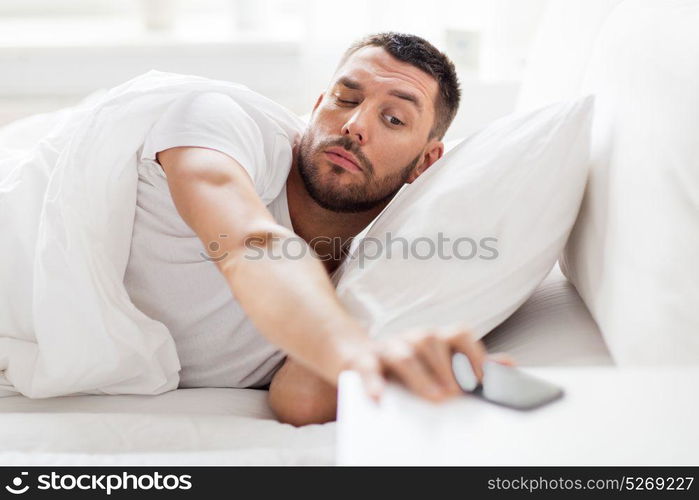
343	158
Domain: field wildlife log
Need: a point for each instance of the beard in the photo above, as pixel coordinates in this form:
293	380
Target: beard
361	196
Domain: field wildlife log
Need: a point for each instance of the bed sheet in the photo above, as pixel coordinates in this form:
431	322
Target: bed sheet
552	328
185	426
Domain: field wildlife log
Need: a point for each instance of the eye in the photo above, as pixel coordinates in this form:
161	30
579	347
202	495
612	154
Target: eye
347	103
393	120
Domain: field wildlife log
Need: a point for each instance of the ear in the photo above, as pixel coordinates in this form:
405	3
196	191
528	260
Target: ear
433	152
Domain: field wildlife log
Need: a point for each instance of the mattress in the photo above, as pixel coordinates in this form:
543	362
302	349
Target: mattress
214	426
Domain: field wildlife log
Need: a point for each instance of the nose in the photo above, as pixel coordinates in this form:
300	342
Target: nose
356	127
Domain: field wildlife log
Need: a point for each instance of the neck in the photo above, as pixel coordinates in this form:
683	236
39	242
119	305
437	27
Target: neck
313	222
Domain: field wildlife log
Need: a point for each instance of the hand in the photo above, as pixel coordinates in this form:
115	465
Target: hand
421	360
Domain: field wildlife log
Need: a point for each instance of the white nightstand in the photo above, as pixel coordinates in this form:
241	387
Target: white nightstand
608	416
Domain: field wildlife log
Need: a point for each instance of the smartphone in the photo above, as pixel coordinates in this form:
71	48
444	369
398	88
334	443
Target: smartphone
504	385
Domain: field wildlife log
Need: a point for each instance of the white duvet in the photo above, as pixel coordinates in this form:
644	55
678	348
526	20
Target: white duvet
67	205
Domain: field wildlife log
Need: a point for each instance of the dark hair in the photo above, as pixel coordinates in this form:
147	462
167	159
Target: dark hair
425	56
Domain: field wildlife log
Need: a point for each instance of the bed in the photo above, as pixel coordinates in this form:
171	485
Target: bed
236	426
209	426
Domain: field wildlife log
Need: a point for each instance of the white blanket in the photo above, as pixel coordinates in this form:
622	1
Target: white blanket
67	204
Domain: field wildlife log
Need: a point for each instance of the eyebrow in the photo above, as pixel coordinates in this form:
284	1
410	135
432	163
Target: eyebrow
407	96
350	84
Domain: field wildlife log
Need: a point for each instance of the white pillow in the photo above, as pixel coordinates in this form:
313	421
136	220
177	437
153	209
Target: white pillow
519	181
634	253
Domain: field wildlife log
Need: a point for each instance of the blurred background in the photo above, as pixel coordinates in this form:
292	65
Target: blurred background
55	52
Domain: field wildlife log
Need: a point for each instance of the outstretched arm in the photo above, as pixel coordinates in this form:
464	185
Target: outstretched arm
292	302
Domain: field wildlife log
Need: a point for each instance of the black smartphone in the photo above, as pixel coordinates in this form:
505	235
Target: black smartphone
504	385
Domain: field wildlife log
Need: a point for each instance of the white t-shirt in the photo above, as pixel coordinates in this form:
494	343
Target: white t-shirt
169	275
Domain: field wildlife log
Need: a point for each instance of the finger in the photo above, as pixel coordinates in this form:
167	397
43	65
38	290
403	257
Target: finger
502	358
370	372
373	384
401	360
462	341
436	354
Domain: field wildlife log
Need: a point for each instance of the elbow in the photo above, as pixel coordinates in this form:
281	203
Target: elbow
298	397
304	410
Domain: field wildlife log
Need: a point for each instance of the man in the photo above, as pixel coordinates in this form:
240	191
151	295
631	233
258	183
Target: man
245	185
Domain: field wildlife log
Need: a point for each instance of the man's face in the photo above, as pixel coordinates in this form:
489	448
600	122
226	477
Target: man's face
368	133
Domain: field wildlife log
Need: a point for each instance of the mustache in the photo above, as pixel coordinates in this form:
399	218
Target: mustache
349	145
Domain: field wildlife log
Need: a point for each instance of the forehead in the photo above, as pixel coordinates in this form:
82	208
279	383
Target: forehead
376	69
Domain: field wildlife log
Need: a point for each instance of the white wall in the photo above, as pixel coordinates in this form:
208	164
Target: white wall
52	53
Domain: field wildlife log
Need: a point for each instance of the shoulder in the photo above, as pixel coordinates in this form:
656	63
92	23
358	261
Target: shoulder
207	105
